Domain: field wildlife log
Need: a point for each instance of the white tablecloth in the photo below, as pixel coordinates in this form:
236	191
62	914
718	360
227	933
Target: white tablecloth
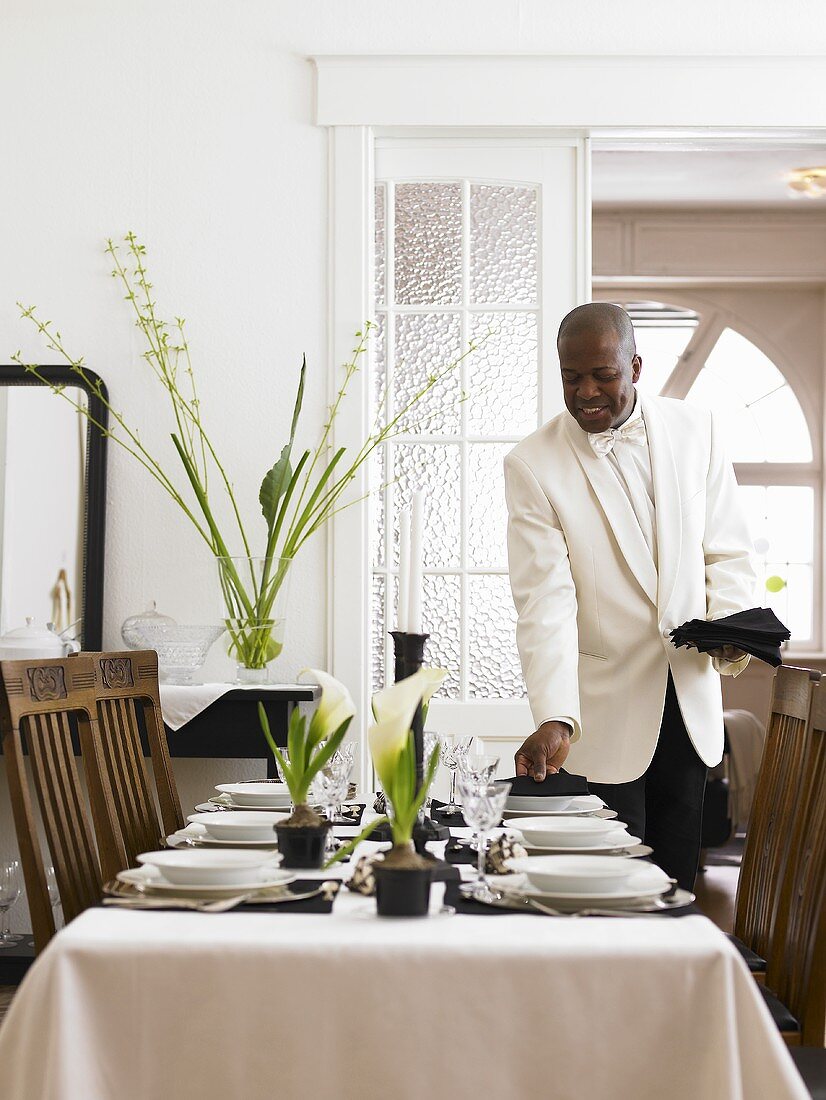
180	703
279	1006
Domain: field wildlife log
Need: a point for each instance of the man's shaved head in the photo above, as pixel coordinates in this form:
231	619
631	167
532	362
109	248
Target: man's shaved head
599	364
598	318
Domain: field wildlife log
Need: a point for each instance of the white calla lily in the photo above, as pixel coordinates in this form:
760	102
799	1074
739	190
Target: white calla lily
403	697
387	741
336	704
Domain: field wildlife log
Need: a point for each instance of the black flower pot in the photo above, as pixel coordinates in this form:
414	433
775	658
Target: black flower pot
402	892
302	846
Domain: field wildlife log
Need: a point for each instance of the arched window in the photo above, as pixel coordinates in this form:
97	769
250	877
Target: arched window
700	357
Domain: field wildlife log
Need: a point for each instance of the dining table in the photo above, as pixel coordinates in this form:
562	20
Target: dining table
342	1004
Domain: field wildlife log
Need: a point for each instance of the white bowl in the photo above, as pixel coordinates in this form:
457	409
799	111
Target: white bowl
242	825
253	795
197	867
536	803
576	874
565	832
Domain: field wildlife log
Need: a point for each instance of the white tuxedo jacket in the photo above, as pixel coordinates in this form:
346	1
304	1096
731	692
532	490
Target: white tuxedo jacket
594	612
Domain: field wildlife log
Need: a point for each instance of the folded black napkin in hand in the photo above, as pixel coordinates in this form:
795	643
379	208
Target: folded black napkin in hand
557	784
757	631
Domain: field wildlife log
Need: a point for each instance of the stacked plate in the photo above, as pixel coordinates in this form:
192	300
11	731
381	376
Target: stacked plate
585	805
263	795
205	873
243	829
575	835
572	882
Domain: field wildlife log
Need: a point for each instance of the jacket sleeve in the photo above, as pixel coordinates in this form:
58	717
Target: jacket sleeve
545	598
727	545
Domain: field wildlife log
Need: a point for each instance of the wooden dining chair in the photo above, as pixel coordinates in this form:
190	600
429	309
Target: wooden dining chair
128	700
773	810
796	977
41	701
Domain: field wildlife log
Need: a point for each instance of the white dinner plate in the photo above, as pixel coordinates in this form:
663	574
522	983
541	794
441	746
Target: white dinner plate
647	883
255	795
630	845
198	834
148	879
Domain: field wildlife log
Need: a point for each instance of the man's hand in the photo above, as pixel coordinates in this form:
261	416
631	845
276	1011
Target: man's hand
727	653
544	751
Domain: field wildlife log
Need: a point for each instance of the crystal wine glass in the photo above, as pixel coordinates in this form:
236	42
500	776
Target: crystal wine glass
329	788
54	894
478	766
482	807
10	888
453	749
344	758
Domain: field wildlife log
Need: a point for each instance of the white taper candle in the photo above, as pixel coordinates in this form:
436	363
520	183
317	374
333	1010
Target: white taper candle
416	563
404	570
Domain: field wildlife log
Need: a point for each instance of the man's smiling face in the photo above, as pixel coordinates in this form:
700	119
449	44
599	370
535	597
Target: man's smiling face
597	378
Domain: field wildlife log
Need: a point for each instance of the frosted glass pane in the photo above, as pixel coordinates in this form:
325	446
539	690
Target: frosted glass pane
441	619
502	375
494	671
380	242
434	468
428	243
378	352
503	244
761	417
426	344
487	514
378	634
377	495
659	349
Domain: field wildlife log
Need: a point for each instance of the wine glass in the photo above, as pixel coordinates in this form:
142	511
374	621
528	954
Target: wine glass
482	807
344	757
478	766
454	748
329	788
10	888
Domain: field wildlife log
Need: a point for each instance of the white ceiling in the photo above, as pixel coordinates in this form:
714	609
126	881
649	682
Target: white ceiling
724	175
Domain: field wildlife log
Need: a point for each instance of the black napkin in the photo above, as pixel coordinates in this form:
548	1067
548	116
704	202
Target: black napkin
558	784
757	631
453	821
476	908
318	904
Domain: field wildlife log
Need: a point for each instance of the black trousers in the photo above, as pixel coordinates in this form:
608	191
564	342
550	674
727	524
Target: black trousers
665	805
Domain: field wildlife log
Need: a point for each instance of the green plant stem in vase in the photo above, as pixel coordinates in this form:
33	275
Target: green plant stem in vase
253	609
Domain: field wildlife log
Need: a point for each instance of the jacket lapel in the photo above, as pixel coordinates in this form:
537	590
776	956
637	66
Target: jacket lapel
667	500
617	508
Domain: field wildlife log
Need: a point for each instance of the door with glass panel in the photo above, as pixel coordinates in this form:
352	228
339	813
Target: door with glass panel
480	242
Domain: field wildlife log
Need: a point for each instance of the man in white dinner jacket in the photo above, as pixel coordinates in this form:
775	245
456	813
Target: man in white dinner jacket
623	523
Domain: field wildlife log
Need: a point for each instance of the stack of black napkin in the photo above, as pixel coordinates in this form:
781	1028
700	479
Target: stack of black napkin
757	631
556	784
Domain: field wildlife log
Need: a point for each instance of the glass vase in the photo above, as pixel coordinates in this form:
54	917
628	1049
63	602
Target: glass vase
254	595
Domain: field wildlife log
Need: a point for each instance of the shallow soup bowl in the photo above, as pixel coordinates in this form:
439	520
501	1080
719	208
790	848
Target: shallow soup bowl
255	795
196	867
576	874
566	832
242	825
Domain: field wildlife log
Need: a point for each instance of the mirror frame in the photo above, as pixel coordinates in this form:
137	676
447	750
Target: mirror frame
94	532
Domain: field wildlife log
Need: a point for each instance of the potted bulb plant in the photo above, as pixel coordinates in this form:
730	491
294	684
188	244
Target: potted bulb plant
402	877
309	748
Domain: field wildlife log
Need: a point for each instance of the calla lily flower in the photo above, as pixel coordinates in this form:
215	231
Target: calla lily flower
403	697
336	704
387	741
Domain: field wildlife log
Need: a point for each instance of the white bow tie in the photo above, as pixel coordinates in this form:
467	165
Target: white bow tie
631	432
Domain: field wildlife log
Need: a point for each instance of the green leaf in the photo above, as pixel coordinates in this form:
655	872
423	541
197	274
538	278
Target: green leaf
286	771
350	847
273	486
322	757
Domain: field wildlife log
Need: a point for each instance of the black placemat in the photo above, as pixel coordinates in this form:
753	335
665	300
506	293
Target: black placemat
474	908
318	904
453	821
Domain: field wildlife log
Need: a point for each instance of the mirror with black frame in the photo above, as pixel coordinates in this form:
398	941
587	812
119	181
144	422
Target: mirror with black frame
52	500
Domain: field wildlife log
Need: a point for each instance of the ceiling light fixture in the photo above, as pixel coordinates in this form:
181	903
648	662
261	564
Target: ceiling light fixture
810	182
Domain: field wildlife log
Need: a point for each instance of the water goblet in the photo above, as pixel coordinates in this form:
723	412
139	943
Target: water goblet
478	766
344	758
454	748
330	789
482	807
10	888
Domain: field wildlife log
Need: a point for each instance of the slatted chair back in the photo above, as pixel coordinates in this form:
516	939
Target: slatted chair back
37	700
126	685
797	960
773	808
